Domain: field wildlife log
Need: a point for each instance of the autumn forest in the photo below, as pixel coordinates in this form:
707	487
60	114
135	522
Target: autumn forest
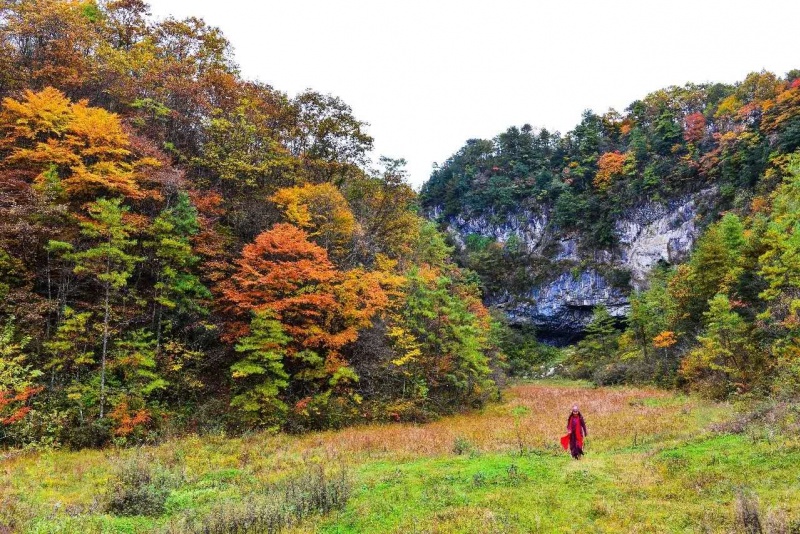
186	250
183	248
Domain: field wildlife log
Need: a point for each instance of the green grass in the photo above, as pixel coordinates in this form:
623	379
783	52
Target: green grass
687	488
652	465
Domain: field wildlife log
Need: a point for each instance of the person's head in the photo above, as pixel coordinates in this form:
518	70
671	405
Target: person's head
575	410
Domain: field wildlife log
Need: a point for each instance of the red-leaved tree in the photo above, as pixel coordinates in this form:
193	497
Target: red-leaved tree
282	272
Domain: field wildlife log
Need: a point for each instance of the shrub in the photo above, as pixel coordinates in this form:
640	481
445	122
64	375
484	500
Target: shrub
611	374
93	434
274	509
140	486
525	355
479	480
462	445
514	476
747	513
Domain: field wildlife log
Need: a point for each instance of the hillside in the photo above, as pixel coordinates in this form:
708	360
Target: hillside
183	248
557	224
654	464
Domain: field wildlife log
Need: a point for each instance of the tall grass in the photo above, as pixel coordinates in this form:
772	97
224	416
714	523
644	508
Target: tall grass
140	485
272	510
533	416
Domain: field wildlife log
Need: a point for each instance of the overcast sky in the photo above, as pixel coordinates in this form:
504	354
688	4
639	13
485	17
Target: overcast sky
429	74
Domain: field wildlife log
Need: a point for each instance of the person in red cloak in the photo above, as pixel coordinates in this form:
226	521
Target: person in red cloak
576	431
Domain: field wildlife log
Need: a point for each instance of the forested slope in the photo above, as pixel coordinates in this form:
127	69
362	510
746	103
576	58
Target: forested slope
185	249
557	224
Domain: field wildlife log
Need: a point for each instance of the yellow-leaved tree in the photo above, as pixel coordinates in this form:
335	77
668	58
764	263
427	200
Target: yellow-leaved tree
322	211
70	148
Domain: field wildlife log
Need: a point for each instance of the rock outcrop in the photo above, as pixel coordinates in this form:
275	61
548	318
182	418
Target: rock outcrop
561	306
530	228
657	232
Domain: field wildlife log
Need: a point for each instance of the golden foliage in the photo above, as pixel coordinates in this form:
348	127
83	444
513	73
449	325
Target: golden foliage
609	166
664	340
322	211
85	148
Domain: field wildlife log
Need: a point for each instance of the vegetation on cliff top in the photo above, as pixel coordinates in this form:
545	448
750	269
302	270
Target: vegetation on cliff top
730	139
725	322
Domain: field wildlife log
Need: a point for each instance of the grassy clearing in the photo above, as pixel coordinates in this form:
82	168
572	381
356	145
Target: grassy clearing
653	465
691	488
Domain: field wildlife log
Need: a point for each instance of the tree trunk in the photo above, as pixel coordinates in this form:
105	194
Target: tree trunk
105	350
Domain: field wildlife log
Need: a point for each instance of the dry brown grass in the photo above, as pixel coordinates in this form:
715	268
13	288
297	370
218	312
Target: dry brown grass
534	414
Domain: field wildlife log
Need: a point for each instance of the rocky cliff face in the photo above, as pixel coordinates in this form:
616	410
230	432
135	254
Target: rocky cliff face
658	232
560	306
532	229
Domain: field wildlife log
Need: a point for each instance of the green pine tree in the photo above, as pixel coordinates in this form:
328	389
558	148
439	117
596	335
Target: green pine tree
109	262
727	358
179	293
259	375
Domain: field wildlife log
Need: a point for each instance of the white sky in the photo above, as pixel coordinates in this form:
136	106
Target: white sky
428	75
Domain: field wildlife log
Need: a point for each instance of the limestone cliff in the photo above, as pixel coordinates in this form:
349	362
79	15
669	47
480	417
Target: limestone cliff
560	302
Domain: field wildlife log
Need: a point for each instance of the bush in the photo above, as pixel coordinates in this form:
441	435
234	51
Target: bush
12	512
763	418
620	278
277	507
315	491
462	445
611	374
526	356
140	486
747	513
209	417
94	434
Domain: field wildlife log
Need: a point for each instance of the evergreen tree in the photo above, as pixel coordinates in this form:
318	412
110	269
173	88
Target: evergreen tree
134	363
178	290
727	358
651	311
443	342
110	263
598	347
71	349
259	375
601	331
714	268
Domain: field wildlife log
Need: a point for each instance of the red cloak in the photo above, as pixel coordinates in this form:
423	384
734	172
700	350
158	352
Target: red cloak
574	439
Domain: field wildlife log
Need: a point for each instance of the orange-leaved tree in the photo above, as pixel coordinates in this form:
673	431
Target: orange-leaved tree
694	127
609	166
320	310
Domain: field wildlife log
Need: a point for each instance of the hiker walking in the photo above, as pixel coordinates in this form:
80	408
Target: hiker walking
576	431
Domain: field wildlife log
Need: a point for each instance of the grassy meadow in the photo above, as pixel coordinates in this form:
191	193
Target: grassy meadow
656	462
